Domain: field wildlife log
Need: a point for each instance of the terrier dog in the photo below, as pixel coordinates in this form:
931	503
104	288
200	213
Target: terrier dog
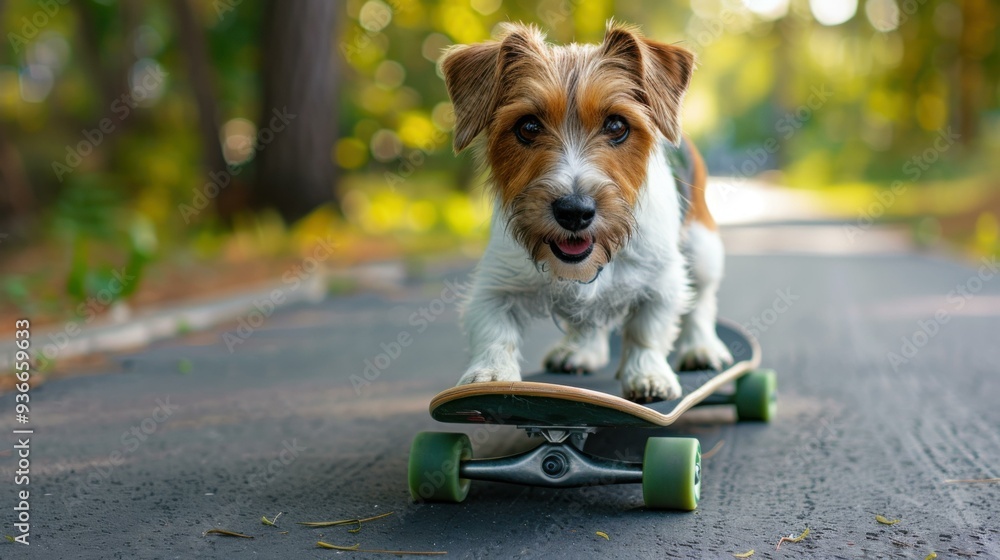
589	223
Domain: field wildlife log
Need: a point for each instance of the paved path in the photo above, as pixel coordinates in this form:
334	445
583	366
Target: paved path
140	462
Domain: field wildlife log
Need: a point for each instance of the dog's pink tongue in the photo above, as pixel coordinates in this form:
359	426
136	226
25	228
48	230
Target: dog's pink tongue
574	246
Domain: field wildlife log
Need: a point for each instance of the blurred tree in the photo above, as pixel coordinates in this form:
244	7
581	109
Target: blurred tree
296	173
196	57
17	199
901	71
92	31
977	40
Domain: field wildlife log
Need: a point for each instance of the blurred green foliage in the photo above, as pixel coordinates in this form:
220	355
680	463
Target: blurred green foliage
846	93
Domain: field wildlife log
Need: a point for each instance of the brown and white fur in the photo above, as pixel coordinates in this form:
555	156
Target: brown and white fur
550	118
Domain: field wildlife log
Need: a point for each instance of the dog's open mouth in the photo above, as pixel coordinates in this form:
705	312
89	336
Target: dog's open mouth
572	250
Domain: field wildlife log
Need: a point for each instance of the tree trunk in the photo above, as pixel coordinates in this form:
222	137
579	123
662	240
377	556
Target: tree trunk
194	48
975	43
111	82
296	173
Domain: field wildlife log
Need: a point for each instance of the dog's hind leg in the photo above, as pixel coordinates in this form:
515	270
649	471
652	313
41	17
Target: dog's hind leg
698	346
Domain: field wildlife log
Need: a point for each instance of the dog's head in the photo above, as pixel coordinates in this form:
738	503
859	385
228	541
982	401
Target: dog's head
568	134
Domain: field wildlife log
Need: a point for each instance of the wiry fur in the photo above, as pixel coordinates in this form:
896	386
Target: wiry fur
636	275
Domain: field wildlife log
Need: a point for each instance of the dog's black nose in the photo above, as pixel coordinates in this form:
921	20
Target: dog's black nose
574	212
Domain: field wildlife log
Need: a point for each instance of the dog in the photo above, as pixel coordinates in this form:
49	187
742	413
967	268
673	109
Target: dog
589	223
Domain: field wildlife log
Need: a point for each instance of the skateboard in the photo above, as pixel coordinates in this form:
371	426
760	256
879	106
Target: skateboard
563	409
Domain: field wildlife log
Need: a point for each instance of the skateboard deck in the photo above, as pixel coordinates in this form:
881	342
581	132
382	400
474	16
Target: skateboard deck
564	400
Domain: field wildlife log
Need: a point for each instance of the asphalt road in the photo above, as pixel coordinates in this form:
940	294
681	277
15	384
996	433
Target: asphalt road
187	435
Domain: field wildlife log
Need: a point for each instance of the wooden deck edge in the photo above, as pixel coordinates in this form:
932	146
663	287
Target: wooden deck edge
578	394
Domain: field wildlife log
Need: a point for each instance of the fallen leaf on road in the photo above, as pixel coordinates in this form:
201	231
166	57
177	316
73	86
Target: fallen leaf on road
715	449
603	535
791	538
970	480
356	548
9	538
746	554
322	544
315	524
270	522
931	556
226	533
885	520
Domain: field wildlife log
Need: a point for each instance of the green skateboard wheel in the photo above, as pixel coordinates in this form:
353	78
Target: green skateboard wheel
671	473
756	395
433	468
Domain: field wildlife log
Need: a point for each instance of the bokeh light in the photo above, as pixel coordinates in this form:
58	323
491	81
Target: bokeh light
237	137
36	81
417	131
350	153
433	45
386	145
486	7
833	12
375	15
883	14
390	74
768	9
148	80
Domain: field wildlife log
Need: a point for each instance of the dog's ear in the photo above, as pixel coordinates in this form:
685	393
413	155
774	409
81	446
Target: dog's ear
663	70
470	75
474	75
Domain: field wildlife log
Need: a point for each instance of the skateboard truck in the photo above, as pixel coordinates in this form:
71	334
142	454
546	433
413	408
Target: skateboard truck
576	434
557	463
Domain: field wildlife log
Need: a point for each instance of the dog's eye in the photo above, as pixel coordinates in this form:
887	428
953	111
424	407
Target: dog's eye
527	129
616	128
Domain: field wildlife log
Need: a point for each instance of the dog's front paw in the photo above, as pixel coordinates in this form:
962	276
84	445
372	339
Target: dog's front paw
700	349
646	376
483	374
572	357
